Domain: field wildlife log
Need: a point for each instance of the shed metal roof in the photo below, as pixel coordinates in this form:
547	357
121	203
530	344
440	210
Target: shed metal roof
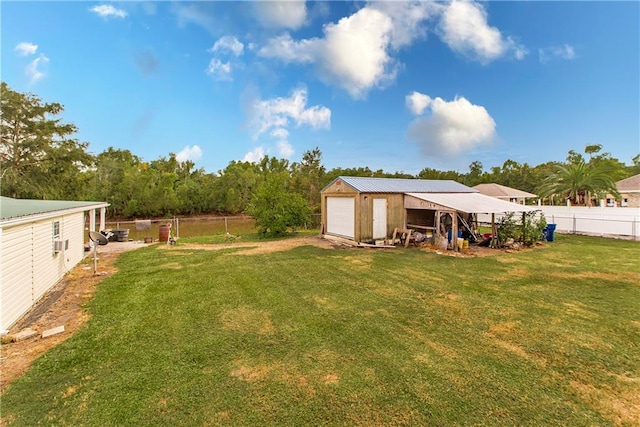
473	203
17	208
399	185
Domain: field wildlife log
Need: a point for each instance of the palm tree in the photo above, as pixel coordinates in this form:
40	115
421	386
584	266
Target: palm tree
579	182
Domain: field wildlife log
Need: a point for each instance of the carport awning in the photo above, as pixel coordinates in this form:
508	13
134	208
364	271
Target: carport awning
472	202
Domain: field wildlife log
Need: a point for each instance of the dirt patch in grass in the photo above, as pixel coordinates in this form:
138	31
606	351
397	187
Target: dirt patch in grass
63	305
247	320
621	408
257	248
633	279
251	374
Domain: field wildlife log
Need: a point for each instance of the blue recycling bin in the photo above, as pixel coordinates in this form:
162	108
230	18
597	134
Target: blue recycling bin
551	228
449	235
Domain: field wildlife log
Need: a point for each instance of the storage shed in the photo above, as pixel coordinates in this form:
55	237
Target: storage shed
40	241
366	210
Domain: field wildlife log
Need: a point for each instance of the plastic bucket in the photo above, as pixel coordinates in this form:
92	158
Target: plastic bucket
465	244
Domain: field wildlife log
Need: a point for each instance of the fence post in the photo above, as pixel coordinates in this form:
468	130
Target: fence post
574	224
226	230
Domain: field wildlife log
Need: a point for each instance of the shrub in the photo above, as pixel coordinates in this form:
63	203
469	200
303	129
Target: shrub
527	232
276	210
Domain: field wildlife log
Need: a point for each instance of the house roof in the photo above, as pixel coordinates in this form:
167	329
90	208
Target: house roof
502	191
631	184
398	185
15	209
472	202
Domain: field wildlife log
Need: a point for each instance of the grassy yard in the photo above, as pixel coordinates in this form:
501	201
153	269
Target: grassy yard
315	336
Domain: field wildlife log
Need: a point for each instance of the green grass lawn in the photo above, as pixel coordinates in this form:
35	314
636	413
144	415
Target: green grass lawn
314	336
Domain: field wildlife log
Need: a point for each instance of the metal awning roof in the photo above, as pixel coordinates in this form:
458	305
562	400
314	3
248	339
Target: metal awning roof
401	185
472	202
17	211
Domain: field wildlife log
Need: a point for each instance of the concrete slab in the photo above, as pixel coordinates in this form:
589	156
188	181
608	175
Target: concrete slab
24	334
53	331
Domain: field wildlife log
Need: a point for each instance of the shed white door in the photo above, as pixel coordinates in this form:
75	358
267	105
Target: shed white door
341	216
379	218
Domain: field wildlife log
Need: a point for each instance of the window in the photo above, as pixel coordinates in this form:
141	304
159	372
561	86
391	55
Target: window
55	242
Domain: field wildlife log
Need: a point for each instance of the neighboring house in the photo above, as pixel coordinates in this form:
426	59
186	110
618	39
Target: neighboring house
503	192
369	209
629	190
40	241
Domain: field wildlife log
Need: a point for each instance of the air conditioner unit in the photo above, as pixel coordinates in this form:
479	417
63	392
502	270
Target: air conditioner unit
60	245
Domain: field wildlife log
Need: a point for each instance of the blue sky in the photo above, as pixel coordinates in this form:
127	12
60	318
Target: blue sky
398	86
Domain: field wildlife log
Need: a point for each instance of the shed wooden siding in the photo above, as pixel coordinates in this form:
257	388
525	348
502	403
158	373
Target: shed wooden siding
29	265
364	220
364	210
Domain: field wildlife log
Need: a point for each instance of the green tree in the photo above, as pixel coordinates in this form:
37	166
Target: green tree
38	156
112	178
308	177
276	209
580	181
234	187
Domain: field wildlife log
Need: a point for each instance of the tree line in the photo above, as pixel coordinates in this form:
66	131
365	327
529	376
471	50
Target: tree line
41	159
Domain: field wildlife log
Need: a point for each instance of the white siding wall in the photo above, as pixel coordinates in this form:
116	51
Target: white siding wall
29	265
16	291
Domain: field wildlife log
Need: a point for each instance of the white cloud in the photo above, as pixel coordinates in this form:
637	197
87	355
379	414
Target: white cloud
107	11
281	14
452	128
33	69
564	51
286	49
279	112
355	53
195	13
463	27
26	48
219	70
280	133
192	153
408	18
417	102
229	44
254	156
285	150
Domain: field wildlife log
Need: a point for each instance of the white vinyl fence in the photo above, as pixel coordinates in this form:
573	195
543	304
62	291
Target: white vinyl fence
621	223
595	221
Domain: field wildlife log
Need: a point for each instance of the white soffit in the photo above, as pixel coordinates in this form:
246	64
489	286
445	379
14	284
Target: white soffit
472	202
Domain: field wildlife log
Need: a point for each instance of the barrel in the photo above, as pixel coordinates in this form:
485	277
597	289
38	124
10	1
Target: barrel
164	233
121	235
